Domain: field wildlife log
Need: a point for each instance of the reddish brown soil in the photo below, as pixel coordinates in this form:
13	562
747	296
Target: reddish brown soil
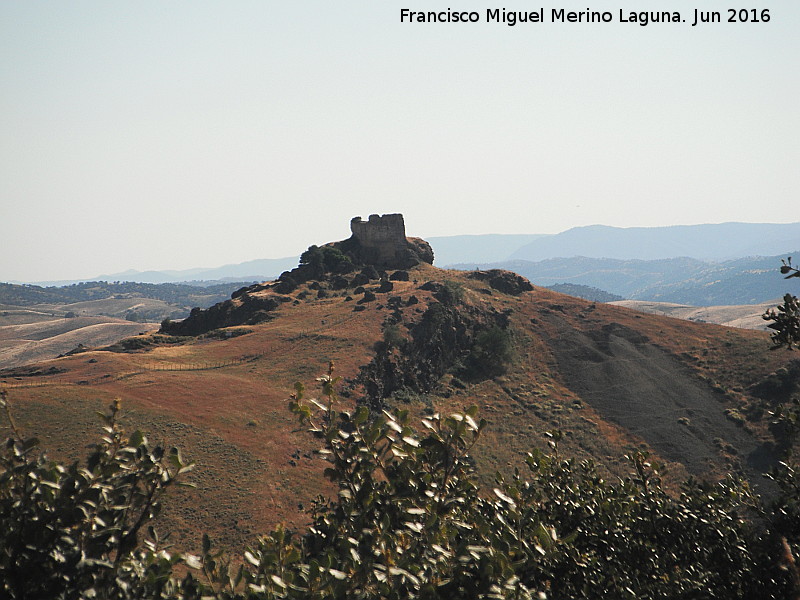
612	379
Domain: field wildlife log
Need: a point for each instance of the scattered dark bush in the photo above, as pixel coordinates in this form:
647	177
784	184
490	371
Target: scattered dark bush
317	261
359	279
285	285
370	272
490	355
503	281
339	283
430	286
367	297
399	276
450	294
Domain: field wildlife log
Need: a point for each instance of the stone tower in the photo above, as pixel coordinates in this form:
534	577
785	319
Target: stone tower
382	241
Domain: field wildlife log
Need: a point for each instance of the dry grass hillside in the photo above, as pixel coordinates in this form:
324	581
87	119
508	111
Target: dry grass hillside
612	379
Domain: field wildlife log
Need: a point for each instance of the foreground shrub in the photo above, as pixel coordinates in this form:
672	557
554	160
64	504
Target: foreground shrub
82	531
409	520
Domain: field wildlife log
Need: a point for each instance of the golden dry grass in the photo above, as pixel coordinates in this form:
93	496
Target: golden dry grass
255	466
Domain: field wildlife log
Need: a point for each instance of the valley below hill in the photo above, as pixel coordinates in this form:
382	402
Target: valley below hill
747	316
38	323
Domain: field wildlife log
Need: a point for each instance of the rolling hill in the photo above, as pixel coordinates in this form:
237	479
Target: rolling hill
612	379
38	323
180	296
33	342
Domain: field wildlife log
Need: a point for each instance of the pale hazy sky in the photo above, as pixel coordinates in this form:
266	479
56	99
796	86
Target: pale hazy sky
177	134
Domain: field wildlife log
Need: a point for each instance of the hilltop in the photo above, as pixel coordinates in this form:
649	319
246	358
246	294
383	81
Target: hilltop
674	264
403	333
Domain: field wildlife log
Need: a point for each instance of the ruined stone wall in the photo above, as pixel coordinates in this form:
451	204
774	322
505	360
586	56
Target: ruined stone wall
382	241
379	230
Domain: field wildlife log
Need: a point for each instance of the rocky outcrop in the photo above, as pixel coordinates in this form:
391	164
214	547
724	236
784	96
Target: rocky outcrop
378	243
449	337
244	309
503	281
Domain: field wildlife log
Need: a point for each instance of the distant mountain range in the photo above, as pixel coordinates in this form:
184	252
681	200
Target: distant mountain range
252	270
678	280
724	241
478	248
701	265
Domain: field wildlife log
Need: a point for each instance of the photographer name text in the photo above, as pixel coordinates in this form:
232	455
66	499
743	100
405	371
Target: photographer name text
511	18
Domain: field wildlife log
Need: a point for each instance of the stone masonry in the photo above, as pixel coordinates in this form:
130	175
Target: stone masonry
382	241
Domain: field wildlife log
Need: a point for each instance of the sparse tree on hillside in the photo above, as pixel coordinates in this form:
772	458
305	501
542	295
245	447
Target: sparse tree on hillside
786	319
325	259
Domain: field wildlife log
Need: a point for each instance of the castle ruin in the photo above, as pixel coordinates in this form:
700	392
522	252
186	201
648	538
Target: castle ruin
382	241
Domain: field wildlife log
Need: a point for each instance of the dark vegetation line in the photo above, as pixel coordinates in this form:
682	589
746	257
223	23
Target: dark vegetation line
28	295
203	366
586	292
54	380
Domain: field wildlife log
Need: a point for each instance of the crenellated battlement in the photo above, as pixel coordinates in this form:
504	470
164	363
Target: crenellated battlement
379	229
